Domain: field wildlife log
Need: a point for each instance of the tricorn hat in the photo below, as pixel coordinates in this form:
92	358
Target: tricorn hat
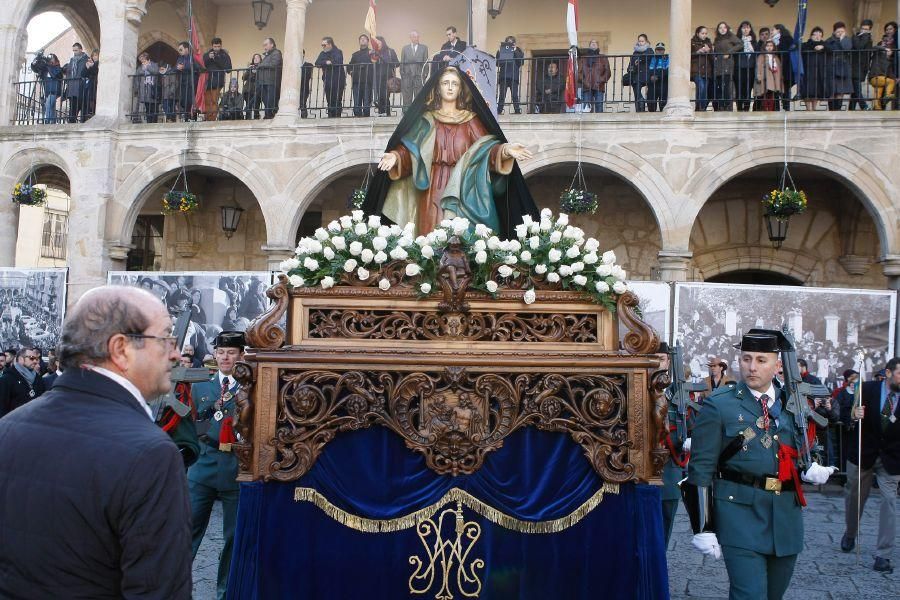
663	348
849	373
763	340
231	339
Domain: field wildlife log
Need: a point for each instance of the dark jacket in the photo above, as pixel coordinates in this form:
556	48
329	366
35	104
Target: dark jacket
510	64
838	66
49	379
701	63
187	88
106	514
74	71
361	70
451	51
15	391
861	56
269	71
50	75
784	47
879	440
639	66
815	83
726	47
747	60
217	67
593	71
333	74
882	65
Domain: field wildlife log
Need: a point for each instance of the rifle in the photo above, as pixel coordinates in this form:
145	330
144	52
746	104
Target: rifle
798	391
679	391
179	374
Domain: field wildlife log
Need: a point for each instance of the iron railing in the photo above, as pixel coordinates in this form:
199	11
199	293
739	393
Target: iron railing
69	101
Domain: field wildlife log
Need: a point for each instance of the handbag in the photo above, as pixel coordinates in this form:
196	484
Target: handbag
626	79
393	85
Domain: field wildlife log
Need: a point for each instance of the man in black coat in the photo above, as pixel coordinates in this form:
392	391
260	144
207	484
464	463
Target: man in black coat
95	500
218	63
188	70
74	73
331	61
22	383
880	414
510	59
362	78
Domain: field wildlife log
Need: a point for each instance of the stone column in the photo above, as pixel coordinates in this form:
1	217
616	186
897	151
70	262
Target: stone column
292	54
118	46
674	265
679	104
9	228
9	39
87	254
479	18
275	254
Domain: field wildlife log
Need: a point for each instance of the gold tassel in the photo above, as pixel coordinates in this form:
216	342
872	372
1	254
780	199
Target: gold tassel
304	494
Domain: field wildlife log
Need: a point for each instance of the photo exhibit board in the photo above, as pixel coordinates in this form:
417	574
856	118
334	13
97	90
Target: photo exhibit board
32	307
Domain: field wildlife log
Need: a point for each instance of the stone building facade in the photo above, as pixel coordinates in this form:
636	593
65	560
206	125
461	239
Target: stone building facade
680	191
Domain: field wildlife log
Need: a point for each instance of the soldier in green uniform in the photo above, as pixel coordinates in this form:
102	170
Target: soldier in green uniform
743	488
214	475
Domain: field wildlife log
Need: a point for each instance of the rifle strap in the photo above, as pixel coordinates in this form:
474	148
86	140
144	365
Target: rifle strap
733	447
787	470
679	458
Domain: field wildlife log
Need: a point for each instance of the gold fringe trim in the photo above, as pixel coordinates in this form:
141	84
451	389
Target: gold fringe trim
304	494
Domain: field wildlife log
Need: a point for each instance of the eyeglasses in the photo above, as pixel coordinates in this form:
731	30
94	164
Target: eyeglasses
169	340
26	357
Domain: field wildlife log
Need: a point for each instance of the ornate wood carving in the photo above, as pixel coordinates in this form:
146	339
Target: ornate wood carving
452	416
641	338
243	425
659	381
264	331
474	326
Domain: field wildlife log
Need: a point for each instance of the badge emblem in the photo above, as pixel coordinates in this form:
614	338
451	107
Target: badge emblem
766	440
892	418
227	396
761	423
219	415
740	417
31	393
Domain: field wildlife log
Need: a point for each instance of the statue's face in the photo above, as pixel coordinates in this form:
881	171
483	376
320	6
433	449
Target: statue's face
449	86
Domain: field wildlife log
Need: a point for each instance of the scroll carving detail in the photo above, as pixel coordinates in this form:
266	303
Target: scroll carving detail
641	338
265	331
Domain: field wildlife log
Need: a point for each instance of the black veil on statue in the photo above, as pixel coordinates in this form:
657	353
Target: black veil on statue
511	207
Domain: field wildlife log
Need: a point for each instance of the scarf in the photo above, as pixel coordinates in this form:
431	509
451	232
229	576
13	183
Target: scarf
26	373
641	48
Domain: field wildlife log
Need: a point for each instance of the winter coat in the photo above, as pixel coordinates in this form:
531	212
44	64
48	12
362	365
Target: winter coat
361	70
510	67
332	74
768	80
269	71
50	75
701	63
169	81
593	71
639	66
815	83
217	67
74	73
784	47
861	56
146	83
747	60
725	47
232	106
250	79
882	65
838	68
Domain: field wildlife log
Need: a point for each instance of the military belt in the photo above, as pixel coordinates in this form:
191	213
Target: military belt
770	483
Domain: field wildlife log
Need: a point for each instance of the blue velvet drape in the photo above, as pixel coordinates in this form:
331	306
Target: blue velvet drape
288	549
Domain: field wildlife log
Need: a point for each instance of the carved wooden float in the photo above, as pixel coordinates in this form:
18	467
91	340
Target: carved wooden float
453	384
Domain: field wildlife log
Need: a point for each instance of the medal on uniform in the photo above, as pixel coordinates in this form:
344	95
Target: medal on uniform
766	440
31	393
227	396
740	418
761	423
892	418
219	415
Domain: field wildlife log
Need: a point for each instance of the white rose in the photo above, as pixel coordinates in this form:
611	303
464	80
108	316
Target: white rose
521	230
577	267
552	277
555	237
493	242
355	248
604	270
440	235
511	259
314	246
590	258
346	222
460	226
545	225
534	242
570	233
289	264
619	287
602	287
505	270
525	256
367	255
397	230
591	245
446	223
327	282
482	230
491	286
530	296
350	265
527	220
573	252
540	269
296	281
412	269
384	284
562	220
362	273
481	257
360	229
421	241
534	228
427	251
609	258
380	257
425	288
310	263
565	270
379	243
513	246
618	272
357	215
334	227
479	245
546	213
374	221
338	242
321	234
399	253
580	279
328	252
554	255
404	241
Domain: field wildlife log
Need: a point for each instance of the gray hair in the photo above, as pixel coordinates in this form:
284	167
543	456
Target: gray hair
97	316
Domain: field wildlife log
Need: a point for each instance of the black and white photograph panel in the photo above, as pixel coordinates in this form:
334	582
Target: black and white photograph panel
655	305
32	307
831	325
226	301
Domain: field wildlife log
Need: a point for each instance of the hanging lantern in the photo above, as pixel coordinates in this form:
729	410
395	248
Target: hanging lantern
495	7
231	217
780	205
777	228
261	12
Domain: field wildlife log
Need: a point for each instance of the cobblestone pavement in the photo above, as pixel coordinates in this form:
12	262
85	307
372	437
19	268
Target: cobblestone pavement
822	572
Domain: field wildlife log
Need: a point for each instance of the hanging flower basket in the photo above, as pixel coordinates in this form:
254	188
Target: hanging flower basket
784	203
575	201
356	198
28	195
183	202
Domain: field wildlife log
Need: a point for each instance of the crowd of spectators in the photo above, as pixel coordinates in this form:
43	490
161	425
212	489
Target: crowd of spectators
69	90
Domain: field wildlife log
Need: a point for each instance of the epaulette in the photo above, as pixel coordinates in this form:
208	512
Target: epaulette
726	387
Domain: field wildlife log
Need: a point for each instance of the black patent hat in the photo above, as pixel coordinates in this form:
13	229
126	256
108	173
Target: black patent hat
231	339
763	340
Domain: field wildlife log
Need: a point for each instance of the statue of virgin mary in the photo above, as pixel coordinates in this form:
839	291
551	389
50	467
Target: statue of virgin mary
449	158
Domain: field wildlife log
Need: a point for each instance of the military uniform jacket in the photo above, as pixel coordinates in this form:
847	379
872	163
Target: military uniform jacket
214	468
673	472
746	517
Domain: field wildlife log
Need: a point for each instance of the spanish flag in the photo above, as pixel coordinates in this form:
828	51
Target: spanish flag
572	30
369	27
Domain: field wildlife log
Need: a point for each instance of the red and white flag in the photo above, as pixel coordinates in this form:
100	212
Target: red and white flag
572	30
369	27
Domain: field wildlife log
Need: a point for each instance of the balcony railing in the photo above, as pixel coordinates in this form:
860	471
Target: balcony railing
42	102
612	84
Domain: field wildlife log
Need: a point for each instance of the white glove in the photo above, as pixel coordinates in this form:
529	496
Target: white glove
817	474
707	543
686	446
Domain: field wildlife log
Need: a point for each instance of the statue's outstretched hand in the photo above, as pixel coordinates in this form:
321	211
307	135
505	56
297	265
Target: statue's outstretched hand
518	152
387	162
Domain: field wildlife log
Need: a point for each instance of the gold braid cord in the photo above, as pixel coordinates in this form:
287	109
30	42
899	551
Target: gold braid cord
304	494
